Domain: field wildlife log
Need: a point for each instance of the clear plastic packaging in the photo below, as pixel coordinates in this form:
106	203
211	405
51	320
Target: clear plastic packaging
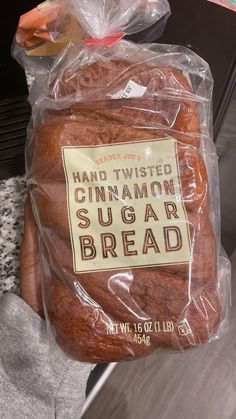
41	35
122	174
106	17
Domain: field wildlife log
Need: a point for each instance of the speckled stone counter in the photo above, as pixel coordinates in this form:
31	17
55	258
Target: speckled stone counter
12	197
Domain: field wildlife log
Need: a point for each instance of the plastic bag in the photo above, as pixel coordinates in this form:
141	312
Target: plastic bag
44	31
41	35
122	174
106	17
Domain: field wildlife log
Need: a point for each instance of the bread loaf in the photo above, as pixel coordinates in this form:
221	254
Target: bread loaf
122	312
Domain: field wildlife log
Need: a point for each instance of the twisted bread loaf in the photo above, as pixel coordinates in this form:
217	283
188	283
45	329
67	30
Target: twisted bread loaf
109	315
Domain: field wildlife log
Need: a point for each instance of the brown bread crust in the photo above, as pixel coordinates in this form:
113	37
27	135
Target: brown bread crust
81	328
82	306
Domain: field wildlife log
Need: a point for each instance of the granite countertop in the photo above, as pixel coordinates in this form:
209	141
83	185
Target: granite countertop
12	198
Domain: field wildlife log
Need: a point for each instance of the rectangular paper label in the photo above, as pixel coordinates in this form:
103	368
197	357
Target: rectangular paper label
131	90
124	206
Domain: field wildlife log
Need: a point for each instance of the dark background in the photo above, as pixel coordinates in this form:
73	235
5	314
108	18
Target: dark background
11	75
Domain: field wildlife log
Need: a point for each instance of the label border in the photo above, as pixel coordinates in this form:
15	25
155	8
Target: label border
69	213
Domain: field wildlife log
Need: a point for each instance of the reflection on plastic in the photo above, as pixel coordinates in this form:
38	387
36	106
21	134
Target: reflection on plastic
137	185
229	4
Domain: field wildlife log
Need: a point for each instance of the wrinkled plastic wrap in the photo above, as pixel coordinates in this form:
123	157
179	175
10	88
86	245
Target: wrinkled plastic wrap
106	17
46	29
122	174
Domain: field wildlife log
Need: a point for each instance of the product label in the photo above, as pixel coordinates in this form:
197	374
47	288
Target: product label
125	206
142	331
132	90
